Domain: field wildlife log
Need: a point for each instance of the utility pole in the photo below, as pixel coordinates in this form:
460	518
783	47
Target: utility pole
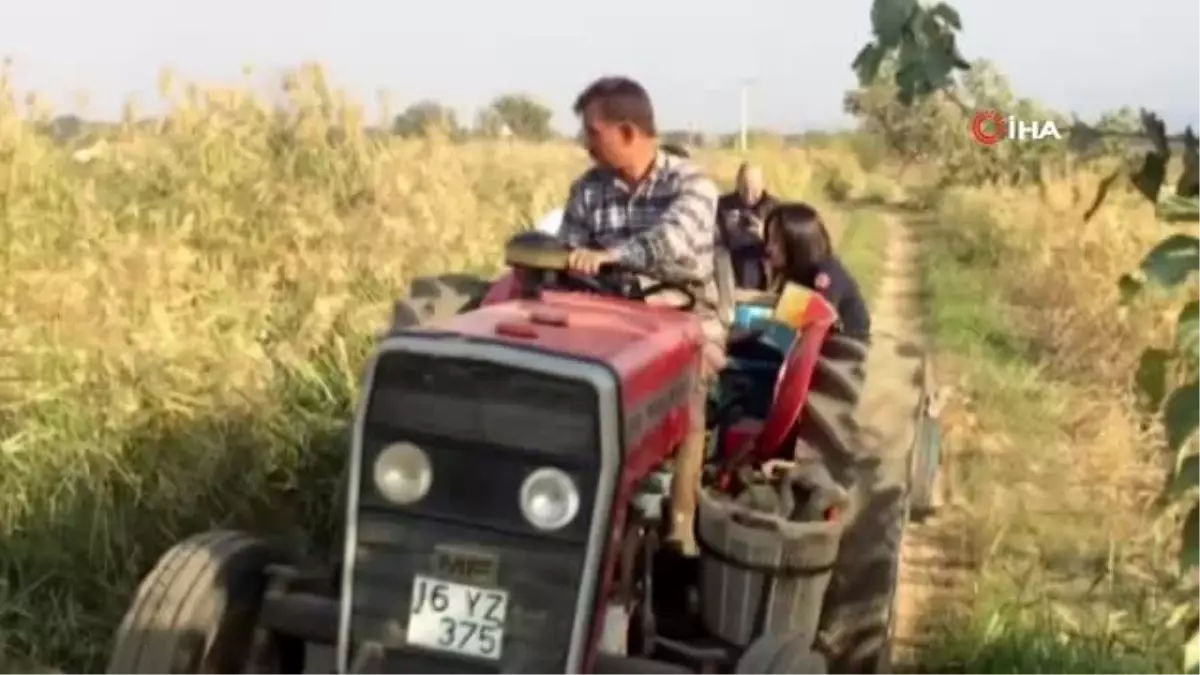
745	114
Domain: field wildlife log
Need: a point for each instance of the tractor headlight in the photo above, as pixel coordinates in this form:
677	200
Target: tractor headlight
549	499
403	473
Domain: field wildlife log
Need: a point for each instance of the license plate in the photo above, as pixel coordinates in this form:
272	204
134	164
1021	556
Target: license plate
457	618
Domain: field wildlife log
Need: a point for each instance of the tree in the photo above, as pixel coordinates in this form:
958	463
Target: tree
1124	121
910	133
66	127
524	116
923	43
935	126
489	124
423	117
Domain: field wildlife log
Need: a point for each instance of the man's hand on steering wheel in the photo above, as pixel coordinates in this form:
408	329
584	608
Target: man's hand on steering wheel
588	261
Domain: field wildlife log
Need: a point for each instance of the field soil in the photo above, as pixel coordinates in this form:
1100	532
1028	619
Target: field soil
888	412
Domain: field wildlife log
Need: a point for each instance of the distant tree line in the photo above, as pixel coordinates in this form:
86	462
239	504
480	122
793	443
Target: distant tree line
508	116
518	116
521	116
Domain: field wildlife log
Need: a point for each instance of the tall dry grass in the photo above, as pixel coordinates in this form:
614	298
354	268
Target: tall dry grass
185	305
1059	468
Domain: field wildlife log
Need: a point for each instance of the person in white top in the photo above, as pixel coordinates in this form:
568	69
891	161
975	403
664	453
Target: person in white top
550	223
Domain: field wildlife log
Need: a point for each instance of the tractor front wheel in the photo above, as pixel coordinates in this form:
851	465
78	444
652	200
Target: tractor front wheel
197	609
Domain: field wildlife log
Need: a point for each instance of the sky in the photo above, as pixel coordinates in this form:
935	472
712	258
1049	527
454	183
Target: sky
693	56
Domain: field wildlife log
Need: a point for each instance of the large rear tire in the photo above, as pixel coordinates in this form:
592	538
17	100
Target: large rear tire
432	299
197	609
826	429
856	617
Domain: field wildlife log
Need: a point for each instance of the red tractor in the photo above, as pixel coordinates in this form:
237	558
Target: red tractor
506	482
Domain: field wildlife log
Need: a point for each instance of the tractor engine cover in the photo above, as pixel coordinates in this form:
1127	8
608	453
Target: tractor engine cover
489	457
484	428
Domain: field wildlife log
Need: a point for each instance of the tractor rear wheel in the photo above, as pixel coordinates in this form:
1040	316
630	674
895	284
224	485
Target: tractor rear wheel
433	299
856	616
826	429
197	609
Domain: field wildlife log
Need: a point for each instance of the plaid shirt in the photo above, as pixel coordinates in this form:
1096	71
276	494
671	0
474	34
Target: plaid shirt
664	227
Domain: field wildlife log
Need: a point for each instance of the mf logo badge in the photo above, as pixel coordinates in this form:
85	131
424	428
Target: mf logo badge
466	564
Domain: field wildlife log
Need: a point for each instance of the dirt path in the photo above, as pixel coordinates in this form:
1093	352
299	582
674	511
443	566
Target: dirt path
898	377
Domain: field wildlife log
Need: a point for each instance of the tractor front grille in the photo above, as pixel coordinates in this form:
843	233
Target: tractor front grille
541	577
478	401
485	428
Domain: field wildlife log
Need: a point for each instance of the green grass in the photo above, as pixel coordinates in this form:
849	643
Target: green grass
992	643
1054	585
270	468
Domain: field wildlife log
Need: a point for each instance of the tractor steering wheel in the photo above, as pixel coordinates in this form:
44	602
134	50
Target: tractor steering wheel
606	285
546	257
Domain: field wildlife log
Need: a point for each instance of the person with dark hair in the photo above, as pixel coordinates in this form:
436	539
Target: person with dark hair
652	213
740	217
799	250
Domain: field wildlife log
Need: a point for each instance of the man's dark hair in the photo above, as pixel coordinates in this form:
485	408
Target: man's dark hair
622	101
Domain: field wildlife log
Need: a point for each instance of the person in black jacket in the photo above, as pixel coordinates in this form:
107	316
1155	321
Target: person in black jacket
799	250
740	218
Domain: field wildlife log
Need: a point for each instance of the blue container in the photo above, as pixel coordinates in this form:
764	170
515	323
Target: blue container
749	317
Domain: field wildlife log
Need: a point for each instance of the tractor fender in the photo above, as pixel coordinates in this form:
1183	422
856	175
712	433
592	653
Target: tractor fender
813	320
791	388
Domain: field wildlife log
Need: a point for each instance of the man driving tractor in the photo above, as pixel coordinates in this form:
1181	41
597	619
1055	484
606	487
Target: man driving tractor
650	212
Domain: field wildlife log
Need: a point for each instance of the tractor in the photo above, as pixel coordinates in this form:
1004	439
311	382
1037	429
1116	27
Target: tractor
505	488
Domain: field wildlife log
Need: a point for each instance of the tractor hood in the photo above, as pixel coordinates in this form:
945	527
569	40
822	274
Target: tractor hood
589	327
